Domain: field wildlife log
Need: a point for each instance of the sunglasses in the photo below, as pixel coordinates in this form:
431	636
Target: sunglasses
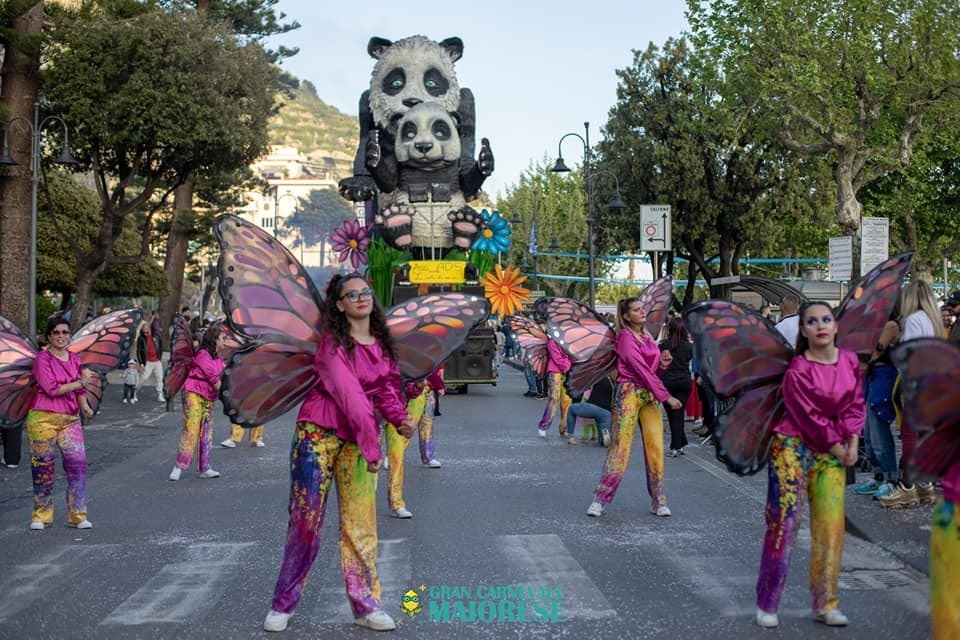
60	332
356	294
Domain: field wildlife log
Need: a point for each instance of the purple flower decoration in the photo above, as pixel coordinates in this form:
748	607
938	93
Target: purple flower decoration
351	240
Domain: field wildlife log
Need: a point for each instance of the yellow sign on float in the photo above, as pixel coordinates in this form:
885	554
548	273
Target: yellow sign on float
437	271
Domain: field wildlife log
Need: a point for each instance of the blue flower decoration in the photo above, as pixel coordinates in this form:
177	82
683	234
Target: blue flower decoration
495	238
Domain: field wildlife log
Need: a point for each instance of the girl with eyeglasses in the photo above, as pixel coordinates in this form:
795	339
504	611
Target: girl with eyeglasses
53	422
814	441
338	437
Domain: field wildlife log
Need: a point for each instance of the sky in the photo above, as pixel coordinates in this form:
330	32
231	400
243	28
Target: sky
537	69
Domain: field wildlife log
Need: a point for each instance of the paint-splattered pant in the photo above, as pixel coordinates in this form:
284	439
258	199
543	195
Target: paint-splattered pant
796	473
46	432
633	404
317	456
945	572
197	428
237	432
420	410
556	397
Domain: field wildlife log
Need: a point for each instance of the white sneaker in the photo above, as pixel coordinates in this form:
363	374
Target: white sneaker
433	463
663	511
595	509
36	525
228	443
402	513
542	433
767	620
125	401
386	462
175	474
209	473
258	443
832	618
276	621
83	524
160	398
378	620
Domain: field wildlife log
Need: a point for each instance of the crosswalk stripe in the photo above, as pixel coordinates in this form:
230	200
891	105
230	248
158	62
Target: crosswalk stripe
182	591
24	584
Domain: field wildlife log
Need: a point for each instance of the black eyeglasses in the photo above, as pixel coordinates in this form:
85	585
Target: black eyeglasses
356	294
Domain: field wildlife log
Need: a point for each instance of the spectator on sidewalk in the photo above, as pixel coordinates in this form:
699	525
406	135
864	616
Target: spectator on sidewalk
789	326
953	304
150	359
595	405
131	380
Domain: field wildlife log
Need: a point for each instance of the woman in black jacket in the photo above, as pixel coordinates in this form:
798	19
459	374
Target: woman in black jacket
676	352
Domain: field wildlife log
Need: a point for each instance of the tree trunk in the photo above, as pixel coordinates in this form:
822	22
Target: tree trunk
849	209
176	261
20	86
85	280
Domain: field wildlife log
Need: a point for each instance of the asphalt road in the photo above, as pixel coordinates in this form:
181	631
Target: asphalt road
498	532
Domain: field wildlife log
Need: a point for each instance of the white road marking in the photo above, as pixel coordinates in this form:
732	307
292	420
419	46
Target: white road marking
543	561
183	591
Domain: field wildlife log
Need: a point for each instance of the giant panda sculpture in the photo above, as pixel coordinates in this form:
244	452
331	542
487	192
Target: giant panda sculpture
409	72
427	211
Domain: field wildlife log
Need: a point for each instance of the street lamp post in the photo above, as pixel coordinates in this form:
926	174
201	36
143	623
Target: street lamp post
66	158
588	175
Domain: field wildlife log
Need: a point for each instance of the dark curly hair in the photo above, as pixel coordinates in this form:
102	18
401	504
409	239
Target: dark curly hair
335	320
53	322
209	340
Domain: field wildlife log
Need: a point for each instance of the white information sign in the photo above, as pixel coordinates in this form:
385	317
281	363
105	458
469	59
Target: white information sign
655	227
841	259
874	242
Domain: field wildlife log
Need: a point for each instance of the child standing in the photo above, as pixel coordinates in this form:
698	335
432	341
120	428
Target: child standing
131	380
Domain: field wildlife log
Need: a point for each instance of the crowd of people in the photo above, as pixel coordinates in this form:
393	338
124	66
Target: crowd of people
828	404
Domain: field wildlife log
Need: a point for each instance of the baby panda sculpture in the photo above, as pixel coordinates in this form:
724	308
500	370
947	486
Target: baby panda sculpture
409	72
428	154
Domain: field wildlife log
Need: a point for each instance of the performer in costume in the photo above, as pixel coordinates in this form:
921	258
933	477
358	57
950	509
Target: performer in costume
557	364
236	436
338	436
930	391
54	423
637	397
816	438
420	406
200	390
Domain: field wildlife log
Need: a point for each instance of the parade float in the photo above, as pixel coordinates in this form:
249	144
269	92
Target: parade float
416	171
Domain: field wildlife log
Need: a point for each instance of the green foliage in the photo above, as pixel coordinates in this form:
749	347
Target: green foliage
382	261
322	211
316	129
484	261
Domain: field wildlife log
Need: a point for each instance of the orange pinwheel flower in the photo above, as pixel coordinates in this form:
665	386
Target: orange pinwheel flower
503	290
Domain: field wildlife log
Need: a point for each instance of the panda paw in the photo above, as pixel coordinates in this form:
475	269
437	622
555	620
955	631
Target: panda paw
358	188
467	225
397	221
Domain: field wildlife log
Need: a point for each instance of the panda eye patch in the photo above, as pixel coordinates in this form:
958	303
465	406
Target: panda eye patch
394	82
435	83
441	130
409	131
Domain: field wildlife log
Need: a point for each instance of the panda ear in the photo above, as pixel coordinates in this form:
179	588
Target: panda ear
377	46
454	47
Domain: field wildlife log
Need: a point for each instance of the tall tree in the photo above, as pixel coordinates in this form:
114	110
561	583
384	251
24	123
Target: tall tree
322	211
21	24
858	79
155	99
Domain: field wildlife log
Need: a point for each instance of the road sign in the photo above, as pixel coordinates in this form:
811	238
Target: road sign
874	242
841	258
655	227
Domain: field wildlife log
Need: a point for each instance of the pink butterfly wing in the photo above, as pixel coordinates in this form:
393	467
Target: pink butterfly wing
868	305
533	340
584	336
104	342
743	358
656	299
427	330
264	380
17	386
263	287
181	356
930	392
